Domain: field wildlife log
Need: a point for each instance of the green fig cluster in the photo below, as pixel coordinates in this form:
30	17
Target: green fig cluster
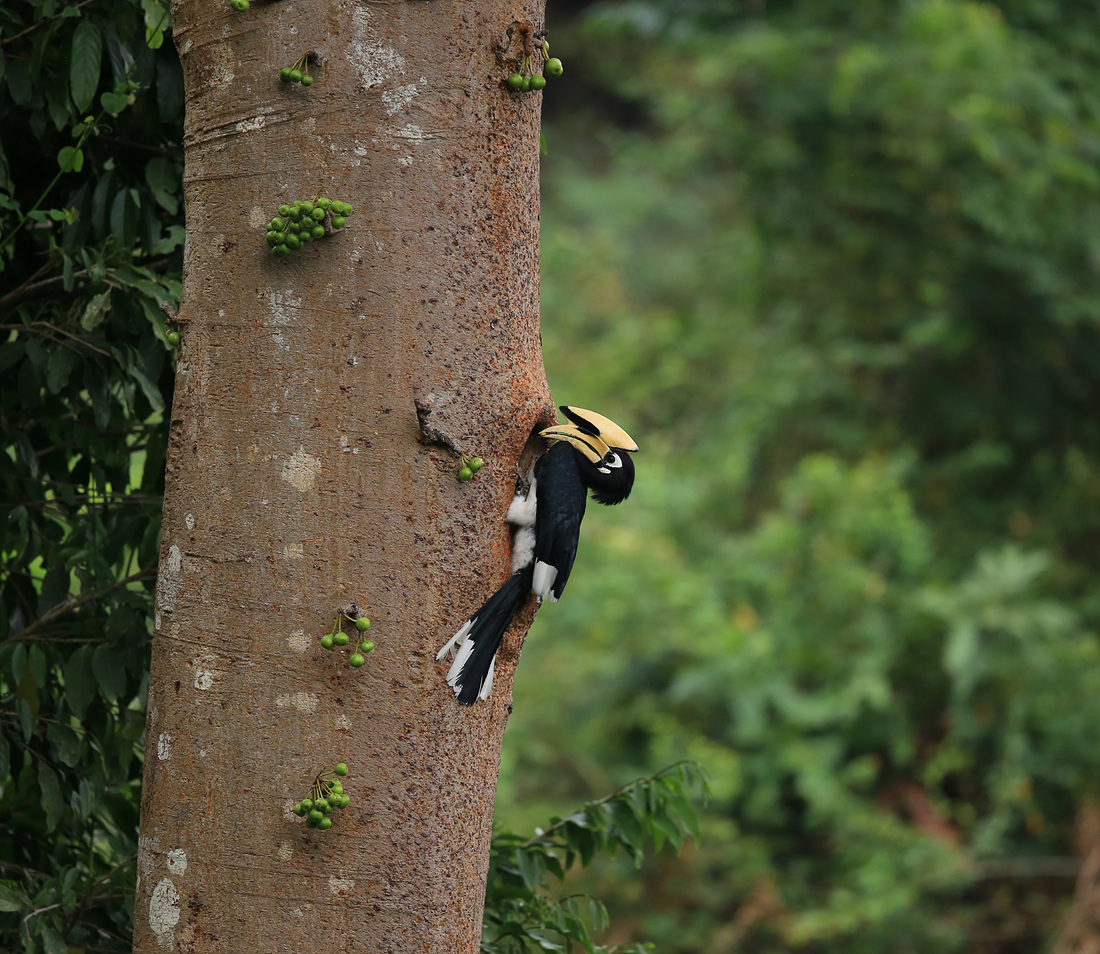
469	466
305	221
526	80
325	795
337	638
298	72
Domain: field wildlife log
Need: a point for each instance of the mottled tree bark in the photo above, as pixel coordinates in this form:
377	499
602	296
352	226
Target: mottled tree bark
300	477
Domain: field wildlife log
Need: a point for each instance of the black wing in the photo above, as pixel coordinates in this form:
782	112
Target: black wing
560	499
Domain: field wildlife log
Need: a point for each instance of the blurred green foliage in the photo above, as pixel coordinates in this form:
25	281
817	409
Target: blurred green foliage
835	268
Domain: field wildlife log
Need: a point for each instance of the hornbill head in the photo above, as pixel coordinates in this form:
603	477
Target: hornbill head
601	449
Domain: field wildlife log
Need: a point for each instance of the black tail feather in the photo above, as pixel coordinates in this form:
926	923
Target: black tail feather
486	632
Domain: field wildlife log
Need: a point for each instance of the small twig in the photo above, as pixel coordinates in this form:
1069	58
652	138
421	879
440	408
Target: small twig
35	26
1026	868
64	607
172	316
144	147
36	912
90	893
68	334
93	500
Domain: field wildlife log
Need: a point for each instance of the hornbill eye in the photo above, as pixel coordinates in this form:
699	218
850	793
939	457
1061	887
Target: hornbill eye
611	462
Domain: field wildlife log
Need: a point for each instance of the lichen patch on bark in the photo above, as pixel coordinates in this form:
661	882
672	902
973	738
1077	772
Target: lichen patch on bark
301	470
164	912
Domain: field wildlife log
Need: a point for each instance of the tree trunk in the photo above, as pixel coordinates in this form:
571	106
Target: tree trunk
321	403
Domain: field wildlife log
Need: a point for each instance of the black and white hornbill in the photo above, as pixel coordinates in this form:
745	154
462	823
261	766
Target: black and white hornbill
590	454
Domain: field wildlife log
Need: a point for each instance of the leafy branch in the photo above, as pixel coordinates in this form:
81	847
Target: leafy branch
520	915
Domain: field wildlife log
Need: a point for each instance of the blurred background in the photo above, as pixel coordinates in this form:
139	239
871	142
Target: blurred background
834	266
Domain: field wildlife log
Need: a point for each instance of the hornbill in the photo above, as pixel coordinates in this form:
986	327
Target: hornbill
590	454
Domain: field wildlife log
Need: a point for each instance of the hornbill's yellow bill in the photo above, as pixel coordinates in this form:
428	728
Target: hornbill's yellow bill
592	447
596	425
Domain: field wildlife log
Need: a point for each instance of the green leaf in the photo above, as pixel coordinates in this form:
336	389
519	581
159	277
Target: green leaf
162	177
104	192
80	685
19	82
84	799
151	392
572	926
70	159
52	802
52	941
510	929
156	22
531	868
85	64
13	897
97	395
58	101
630	831
27	692
543	940
173	240
665	827
98	307
597	915
554	865
156	14
110	671
26	711
36	658
682	813
18	661
68	276
60	366
114	103
581	840
124	217
66	743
